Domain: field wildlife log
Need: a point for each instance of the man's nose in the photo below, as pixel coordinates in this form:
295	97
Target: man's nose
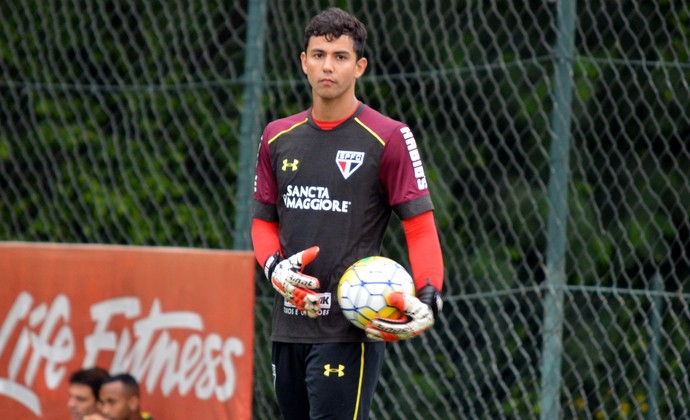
328	63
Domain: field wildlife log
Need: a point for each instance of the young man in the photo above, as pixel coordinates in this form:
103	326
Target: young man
327	181
120	398
84	386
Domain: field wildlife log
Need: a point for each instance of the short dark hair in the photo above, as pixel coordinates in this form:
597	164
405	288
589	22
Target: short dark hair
127	380
333	23
92	377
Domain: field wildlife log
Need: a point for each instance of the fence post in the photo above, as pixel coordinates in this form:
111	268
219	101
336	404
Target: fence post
655	321
552	326
249	123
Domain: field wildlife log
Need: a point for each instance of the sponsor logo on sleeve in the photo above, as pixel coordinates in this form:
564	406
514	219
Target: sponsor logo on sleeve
414	157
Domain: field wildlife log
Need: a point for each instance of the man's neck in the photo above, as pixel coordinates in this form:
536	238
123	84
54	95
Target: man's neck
334	109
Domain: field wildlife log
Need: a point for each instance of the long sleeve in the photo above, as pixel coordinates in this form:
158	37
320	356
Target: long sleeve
424	250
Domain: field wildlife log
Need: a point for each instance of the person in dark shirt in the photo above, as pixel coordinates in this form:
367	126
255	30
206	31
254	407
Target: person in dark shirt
327	181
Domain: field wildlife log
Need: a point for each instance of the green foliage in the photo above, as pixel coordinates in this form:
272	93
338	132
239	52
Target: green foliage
121	119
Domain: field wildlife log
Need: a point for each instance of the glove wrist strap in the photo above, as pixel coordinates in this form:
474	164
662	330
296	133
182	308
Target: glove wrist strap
432	297
271	263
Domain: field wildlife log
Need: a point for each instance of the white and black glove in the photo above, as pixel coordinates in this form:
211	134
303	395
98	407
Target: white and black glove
419	312
288	280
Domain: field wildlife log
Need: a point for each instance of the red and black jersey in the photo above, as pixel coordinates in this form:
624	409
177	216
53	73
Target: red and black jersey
335	189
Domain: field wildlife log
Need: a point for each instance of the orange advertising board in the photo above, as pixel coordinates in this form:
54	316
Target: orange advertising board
180	320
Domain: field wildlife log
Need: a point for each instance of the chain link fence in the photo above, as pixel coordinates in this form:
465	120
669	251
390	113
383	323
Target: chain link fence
555	139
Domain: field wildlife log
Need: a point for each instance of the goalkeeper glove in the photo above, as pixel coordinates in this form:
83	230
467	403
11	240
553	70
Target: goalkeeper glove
420	315
288	280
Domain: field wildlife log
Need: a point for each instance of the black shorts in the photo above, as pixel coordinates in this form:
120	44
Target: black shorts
326	381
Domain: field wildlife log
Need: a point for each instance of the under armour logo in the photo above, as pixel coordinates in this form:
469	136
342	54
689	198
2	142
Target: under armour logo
328	370
287	164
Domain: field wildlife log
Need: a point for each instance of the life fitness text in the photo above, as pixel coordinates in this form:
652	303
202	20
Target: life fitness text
175	318
202	364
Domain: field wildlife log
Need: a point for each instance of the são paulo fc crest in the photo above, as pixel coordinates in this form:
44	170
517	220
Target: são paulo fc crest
348	162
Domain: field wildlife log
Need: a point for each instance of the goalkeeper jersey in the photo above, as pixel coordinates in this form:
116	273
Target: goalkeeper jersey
335	189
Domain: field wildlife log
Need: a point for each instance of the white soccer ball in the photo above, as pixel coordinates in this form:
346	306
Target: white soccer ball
364	284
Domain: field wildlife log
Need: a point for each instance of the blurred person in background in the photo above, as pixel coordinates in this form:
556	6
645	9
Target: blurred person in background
120	399
84	388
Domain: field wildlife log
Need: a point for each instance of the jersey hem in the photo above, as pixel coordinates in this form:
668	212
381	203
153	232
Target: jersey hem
319	340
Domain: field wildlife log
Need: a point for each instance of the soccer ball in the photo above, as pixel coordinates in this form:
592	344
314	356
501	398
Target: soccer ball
362	288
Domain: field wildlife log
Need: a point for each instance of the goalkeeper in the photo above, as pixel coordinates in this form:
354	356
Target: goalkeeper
327	182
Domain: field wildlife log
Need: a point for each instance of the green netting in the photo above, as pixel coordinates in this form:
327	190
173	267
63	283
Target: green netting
121	121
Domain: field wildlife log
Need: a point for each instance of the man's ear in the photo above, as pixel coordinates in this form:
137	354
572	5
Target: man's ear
133	403
360	67
303	59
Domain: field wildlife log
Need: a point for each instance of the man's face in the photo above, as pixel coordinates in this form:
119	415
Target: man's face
81	401
332	66
116	402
